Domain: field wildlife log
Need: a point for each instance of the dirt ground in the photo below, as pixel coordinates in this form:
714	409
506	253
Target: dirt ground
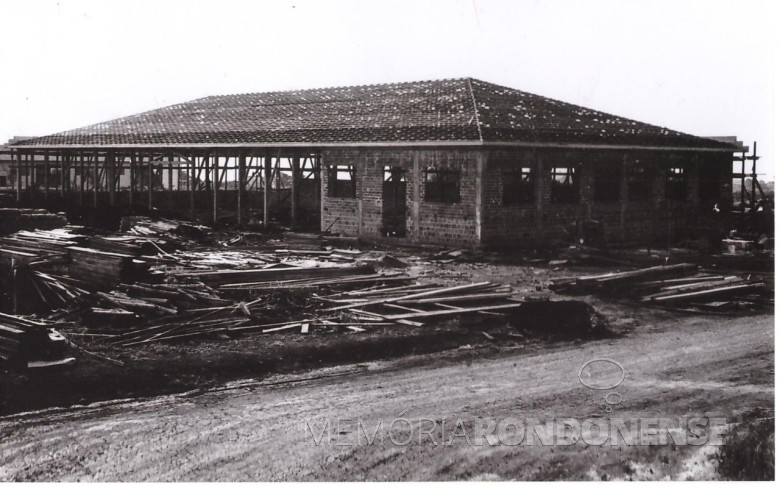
287	388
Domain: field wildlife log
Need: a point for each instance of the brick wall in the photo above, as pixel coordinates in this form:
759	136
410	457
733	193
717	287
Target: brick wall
656	218
426	222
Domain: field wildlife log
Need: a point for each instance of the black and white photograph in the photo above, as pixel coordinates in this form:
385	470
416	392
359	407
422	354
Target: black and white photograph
391	240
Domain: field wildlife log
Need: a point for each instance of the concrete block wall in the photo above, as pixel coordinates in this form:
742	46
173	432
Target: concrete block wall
427	222
656	218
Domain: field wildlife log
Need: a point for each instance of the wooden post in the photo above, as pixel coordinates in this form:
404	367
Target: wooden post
151	182
215	178
623	195
18	176
95	181
109	161
192	184
81	179
31	170
62	174
27	174
241	182
266	189
753	179
46	175
170	173
132	178
295	161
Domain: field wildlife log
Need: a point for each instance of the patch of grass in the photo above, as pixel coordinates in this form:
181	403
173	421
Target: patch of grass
748	452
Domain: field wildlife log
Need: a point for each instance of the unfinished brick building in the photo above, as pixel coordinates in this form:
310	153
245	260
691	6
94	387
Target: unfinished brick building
453	162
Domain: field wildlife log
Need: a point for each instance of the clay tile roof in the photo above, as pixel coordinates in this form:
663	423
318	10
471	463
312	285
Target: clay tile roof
455	110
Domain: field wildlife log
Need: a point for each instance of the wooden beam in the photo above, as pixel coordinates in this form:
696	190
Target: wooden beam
132	178
62	173
95	180
18	176
266	189
170	173
81	178
215	186
295	162
150	180
192	182
109	162
46	175
424	294
453	311
240	192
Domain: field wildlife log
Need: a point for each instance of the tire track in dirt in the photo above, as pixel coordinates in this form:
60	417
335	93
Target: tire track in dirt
251	431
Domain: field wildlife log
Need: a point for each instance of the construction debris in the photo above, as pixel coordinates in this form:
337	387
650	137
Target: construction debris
15	219
671	285
31	344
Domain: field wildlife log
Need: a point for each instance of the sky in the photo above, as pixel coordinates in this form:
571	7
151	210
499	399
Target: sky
704	67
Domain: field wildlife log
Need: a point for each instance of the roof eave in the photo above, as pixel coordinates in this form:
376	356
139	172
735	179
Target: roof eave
442	143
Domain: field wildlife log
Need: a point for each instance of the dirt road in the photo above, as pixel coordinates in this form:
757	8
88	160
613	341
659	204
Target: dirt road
691	366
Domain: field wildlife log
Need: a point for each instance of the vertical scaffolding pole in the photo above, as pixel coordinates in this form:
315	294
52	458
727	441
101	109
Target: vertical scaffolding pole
150	181
132	178
46	175
295	161
753	178
266	188
109	163
215	187
241	182
95	180
193	176
62	174
18	176
170	173
27	174
31	171
82	174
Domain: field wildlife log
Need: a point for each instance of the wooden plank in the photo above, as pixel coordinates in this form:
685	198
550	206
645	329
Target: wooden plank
424	294
640	274
456	299
285	327
445	312
709	293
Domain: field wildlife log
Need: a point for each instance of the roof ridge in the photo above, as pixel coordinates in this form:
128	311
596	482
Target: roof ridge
342	87
476	110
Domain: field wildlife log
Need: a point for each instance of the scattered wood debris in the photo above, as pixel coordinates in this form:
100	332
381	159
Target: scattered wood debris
31	344
672	286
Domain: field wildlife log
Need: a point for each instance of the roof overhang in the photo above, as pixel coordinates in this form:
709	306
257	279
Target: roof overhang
421	144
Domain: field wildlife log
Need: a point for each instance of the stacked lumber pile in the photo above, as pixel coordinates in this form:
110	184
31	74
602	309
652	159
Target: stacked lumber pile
671	286
39	245
416	304
15	219
31	344
172	230
354	310
98	269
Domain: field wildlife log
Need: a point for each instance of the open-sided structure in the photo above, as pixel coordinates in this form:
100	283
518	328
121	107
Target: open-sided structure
456	161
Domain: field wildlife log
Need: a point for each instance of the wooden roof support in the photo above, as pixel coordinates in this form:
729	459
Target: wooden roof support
295	162
18	176
215	188
266	188
109	163
150	182
240	192
81	178
192	182
46	175
95	180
